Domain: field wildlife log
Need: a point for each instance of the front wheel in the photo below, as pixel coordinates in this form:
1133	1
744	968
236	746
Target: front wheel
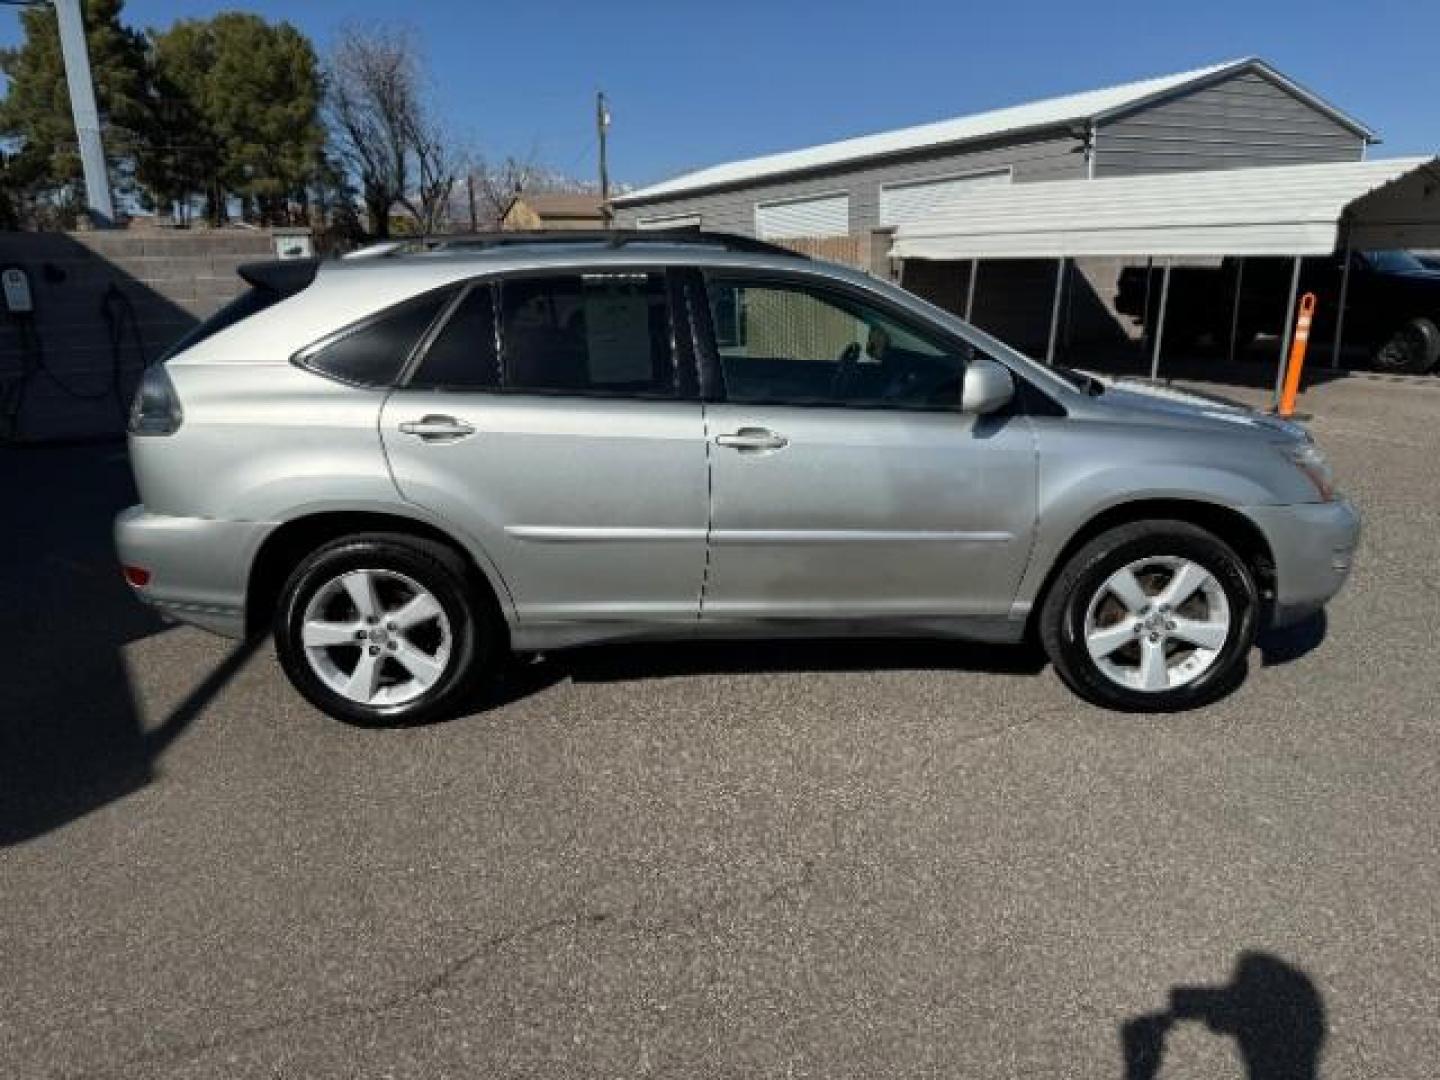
1151	617
383	629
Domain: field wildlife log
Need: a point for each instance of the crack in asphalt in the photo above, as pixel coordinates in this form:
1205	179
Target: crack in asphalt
448	973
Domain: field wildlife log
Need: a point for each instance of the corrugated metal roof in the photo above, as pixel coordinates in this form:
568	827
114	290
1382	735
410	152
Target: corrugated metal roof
1072	108
1284	210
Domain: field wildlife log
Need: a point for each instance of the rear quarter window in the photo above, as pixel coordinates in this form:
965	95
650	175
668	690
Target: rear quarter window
374	351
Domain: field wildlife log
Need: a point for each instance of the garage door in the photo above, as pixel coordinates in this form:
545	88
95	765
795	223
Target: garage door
911	200
820	215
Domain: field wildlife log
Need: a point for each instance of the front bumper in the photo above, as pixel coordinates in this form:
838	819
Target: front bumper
198	567
1314	548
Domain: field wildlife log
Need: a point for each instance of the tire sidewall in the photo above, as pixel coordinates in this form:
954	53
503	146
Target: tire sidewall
443	583
1420	341
1197	546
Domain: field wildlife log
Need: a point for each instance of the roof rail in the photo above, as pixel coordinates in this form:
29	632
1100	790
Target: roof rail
376	251
610	238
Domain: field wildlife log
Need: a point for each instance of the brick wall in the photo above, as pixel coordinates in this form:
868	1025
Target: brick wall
72	371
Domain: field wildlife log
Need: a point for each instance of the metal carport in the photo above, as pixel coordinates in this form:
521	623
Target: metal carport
1293	210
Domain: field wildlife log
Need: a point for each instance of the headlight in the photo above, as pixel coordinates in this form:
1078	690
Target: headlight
1306	457
156	408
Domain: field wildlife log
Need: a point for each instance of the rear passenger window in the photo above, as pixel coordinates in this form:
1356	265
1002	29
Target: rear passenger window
373	353
605	333
463	355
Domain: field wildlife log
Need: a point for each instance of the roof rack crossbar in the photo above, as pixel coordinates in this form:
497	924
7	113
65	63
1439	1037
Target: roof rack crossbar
611	238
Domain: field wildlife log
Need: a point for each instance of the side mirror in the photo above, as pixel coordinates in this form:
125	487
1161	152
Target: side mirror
987	387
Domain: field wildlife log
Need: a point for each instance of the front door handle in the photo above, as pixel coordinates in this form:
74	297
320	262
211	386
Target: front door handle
753	438
437	428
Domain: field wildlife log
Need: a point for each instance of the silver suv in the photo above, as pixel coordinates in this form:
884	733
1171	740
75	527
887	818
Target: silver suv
413	462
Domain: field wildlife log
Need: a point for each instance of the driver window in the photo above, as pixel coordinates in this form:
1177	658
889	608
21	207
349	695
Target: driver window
784	343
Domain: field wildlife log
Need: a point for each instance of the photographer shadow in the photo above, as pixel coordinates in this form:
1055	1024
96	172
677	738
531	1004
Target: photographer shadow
1271	1009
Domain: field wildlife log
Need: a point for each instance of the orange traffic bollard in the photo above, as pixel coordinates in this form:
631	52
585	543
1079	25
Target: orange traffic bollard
1297	355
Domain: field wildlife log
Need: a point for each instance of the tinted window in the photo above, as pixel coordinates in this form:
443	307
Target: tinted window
1395	262
373	353
783	343
590	333
463	355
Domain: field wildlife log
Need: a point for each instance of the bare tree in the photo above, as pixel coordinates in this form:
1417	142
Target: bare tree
436	171
497	184
384	130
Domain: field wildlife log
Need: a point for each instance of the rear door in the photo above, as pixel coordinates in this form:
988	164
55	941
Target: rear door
554	418
846	484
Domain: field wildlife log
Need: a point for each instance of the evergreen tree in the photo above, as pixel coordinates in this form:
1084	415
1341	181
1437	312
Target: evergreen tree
43	174
243	97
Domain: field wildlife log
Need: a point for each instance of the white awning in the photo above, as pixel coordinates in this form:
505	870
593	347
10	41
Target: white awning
1285	210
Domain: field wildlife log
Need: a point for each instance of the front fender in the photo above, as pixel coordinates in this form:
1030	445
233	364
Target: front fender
1087	473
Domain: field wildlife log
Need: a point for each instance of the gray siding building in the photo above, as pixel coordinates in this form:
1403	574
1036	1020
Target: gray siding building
1246	119
1232	115
1238	114
1049	156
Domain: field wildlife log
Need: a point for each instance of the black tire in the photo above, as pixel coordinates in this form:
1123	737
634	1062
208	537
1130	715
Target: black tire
1063	614
1412	349
476	633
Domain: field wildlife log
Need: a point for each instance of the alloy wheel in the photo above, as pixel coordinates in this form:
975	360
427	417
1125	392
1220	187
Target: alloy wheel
1157	624
376	637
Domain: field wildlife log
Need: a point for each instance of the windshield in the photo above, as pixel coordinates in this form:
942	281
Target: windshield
1395	262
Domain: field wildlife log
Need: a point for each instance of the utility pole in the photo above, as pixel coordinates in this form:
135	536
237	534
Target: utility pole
470	191
602	125
82	105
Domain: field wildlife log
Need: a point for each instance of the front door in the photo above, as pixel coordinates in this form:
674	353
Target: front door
845	482
551	419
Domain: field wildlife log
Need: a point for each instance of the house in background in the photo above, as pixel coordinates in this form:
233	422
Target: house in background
553	210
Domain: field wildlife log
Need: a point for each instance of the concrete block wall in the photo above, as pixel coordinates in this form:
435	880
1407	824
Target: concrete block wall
71	372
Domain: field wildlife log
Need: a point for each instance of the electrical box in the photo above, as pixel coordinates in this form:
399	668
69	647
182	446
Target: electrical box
293	244
17	291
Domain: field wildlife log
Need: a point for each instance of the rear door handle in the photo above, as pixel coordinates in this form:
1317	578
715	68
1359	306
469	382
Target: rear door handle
752	438
437	428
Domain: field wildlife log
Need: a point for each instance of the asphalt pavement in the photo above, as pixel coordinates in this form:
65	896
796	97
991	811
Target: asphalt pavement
794	860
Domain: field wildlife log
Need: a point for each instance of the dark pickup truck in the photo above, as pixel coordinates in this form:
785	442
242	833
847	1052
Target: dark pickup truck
1393	306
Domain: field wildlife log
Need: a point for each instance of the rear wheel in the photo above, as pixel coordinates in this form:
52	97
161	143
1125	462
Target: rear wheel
384	629
1152	616
1412	349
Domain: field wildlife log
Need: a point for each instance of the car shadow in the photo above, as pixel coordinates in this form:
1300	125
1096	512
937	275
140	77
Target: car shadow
73	739
1290	643
526	676
1272	1010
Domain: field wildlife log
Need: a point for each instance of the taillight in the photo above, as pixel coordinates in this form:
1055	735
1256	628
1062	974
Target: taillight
156	408
137	576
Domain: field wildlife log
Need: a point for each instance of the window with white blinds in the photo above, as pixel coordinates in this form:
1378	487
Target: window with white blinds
820	215
911	200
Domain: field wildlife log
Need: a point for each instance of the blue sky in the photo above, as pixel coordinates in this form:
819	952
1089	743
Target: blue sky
696	83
